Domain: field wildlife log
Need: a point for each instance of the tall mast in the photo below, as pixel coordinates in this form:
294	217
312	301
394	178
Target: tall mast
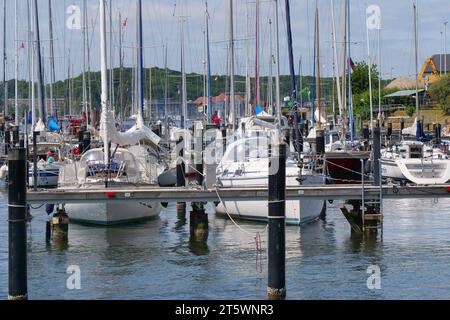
111	56
257	91
139	62
318	67
16	67
52	62
277	81
314	84
208	61
89	72
166	93
416	60
336	70
248	89
300	82
30	55
149	107
41	90
104	79
183	80
370	79
5	85
350	94
344	60
84	62
379	69
298	137
270	80
232	92
122	106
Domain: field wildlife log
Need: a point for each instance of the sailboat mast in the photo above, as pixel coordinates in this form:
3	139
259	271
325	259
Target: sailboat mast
349	67
104	80
208	62
139	62
257	92
149	107
270	80
41	90
5	57
277	80
232	91
248	89
336	70
183	80
52	62
344	65
16	67
369	62
298	137
111	56
416	60
166	93
84	61
318	67
122	106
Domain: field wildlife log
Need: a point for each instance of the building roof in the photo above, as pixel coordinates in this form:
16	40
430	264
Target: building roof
215	100
403	93
439	62
403	83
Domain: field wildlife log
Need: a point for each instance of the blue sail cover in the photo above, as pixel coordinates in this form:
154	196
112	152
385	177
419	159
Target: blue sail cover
420	135
53	125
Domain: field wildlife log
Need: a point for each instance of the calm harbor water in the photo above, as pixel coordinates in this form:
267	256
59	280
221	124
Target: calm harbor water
158	260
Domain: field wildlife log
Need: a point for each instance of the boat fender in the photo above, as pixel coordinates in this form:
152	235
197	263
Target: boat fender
49	208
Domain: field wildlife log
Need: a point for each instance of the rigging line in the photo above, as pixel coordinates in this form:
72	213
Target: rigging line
235	223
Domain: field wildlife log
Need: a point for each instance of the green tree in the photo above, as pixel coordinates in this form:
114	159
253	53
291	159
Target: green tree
440	92
360	77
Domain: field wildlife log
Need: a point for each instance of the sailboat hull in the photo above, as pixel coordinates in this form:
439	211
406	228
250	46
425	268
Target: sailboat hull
297	212
105	214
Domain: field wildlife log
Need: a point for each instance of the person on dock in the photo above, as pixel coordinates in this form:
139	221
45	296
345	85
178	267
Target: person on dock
216	119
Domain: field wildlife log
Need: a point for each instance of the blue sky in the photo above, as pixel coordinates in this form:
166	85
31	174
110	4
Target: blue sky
161	26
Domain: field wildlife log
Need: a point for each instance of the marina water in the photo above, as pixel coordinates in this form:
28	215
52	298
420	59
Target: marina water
158	260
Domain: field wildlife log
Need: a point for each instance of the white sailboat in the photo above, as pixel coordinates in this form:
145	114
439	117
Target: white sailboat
246	164
415	161
133	160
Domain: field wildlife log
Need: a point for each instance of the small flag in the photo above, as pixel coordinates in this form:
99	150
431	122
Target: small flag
125	22
22	46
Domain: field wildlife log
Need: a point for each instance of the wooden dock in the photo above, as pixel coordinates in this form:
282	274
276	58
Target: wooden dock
328	192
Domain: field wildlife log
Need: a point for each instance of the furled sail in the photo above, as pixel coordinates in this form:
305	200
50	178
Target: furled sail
139	132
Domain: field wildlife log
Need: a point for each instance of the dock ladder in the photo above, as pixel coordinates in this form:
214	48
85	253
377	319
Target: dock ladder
372	209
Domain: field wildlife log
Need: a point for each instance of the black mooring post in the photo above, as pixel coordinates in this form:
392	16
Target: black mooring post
17	211
277	220
320	142
376	156
181	179
7	141
15	136
35	160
